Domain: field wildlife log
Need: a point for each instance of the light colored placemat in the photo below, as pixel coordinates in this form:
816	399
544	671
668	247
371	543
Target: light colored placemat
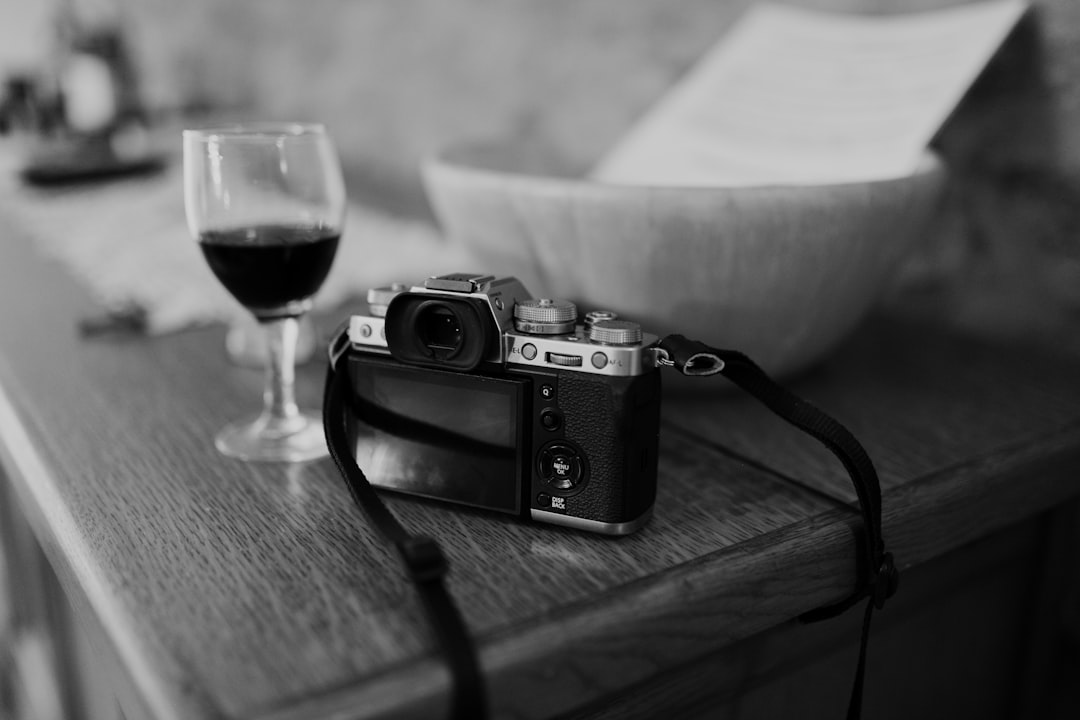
127	241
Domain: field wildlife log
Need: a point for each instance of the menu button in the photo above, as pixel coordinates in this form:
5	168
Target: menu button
561	467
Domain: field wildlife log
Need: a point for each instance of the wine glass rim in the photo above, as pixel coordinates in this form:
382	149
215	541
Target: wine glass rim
256	130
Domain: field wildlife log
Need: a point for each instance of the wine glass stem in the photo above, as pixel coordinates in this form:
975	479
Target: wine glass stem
279	398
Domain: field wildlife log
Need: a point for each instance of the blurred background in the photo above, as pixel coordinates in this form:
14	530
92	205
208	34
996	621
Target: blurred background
396	80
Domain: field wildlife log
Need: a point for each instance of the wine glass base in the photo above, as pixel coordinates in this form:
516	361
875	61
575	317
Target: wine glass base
265	438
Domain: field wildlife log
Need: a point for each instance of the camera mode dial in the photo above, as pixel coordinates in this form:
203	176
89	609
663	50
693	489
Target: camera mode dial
544	316
615	332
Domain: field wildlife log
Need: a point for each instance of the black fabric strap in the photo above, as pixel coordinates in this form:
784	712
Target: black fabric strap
421	555
878	576
427	566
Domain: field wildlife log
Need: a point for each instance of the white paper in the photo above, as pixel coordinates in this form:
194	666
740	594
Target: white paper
792	95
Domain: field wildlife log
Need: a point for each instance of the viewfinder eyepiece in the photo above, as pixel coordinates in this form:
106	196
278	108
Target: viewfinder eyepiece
444	332
438	328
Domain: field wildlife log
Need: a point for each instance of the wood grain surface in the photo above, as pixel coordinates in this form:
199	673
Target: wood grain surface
225	589
747	678
236	589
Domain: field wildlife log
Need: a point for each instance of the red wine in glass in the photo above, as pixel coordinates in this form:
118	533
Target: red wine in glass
270	269
266	204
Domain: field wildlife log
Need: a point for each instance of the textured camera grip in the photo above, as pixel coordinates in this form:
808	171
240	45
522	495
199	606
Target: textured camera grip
615	422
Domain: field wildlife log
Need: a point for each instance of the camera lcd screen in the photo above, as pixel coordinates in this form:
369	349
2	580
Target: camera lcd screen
445	435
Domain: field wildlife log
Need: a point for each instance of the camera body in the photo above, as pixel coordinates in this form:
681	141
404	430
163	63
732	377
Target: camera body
467	389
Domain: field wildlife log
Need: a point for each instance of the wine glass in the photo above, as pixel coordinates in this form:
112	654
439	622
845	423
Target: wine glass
266	203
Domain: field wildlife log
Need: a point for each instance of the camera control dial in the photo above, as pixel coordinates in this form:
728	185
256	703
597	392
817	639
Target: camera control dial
543	316
561	466
615	332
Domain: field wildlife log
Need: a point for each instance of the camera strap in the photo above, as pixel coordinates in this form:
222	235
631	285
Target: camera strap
422	557
427	567
877	574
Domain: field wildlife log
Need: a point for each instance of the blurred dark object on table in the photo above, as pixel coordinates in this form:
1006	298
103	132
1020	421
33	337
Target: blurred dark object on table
84	159
23	109
81	118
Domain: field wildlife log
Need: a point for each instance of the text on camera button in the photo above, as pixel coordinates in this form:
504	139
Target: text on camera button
547	391
565	471
561	467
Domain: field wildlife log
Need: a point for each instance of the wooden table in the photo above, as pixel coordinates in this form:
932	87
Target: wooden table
211	588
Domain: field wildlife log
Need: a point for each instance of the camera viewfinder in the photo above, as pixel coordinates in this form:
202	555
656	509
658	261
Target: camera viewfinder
448	333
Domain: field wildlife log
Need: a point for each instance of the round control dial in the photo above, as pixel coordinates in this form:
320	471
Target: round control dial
615	332
543	316
561	467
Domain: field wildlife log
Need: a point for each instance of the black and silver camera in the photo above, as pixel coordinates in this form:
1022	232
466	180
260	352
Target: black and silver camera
470	390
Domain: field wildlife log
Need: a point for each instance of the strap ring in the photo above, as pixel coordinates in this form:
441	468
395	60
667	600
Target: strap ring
698	364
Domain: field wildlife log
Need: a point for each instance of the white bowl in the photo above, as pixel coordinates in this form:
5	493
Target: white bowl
781	273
